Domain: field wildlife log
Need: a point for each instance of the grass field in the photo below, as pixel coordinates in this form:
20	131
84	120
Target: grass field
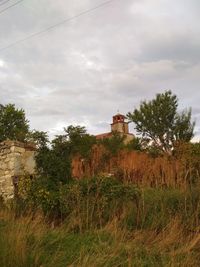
162	231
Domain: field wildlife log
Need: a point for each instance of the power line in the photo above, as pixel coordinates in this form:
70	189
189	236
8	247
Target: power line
1	4
55	25
10	6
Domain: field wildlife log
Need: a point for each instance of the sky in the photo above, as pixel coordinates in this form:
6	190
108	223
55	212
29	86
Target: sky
104	59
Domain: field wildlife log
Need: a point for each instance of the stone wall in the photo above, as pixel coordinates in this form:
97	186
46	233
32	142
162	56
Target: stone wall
16	159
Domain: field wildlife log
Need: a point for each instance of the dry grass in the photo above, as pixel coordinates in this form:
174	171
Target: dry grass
19	238
171	247
137	167
28	241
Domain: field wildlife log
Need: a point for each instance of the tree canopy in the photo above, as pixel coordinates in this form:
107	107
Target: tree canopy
40	138
54	160
13	123
160	123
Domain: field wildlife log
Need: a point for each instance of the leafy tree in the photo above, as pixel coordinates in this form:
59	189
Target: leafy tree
80	141
135	144
114	143
13	123
159	122
184	129
54	160
40	138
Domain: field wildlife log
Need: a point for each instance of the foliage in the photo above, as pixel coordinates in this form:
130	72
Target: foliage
183	128
160	123
136	144
93	202
79	140
13	123
54	160
40	138
160	229
187	150
54	163
83	197
189	156
113	144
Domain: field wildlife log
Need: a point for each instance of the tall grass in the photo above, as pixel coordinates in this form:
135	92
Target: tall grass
140	168
20	239
159	228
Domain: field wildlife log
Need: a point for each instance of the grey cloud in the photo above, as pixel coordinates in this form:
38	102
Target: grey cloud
183	49
196	110
84	71
47	112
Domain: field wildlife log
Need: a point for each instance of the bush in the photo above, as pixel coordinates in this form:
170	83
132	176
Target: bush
93	201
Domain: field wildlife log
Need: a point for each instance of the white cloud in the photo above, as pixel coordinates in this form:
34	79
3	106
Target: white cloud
84	71
1	63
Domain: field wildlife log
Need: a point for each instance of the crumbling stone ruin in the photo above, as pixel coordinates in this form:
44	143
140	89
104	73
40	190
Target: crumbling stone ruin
16	160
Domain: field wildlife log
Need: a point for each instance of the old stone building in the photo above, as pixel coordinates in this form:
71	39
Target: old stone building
16	160
120	126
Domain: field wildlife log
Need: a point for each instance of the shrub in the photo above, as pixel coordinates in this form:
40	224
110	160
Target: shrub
94	201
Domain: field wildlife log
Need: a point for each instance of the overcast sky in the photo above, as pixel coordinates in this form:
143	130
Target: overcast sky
110	59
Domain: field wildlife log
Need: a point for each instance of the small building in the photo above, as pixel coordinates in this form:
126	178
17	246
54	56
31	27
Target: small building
120	126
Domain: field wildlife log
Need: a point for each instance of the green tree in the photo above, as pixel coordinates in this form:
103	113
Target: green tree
40	138
80	141
159	122
113	144
13	123
54	160
135	144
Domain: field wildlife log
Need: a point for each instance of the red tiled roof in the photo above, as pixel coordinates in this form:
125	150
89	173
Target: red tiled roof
119	114
103	135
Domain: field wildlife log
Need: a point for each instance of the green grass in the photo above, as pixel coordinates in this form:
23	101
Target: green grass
162	230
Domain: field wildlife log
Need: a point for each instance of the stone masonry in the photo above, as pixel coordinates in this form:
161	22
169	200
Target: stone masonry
16	160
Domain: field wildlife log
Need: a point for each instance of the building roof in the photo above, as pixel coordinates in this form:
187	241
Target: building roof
118	114
103	135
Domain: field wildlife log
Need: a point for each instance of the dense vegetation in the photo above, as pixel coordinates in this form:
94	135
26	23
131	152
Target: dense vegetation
106	220
105	223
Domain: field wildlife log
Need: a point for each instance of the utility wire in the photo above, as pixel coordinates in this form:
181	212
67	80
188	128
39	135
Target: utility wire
10	6
1	4
56	25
